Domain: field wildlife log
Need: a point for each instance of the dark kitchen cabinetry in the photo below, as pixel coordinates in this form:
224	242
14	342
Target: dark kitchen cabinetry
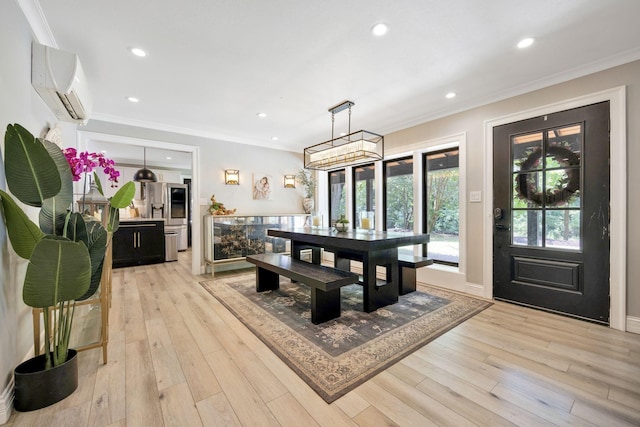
138	242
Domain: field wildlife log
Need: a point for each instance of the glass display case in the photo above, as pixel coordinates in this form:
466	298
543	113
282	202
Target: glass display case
230	238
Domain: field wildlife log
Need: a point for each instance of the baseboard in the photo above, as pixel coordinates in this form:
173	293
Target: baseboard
633	324
6	402
474	289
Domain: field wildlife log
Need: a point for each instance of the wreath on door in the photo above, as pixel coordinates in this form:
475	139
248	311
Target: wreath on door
564	189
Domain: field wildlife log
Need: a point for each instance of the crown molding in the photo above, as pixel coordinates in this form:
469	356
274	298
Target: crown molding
38	22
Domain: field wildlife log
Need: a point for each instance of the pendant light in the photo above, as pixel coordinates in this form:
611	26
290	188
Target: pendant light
347	150
144	174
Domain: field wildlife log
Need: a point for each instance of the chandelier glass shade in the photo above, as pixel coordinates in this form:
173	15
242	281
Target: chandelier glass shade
348	150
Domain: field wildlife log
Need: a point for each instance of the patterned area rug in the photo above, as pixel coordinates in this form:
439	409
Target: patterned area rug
337	356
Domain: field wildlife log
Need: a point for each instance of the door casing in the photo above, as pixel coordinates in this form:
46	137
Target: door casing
618	201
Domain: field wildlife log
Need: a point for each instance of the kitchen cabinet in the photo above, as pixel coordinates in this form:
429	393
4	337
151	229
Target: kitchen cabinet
138	242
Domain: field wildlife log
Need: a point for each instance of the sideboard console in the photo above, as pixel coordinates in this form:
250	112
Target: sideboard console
228	239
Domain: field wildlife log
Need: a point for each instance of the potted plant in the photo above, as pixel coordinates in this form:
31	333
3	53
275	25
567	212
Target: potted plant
309	183
342	224
65	250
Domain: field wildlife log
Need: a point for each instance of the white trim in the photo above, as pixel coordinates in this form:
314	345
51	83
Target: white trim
6	402
618	202
197	265
633	324
38	22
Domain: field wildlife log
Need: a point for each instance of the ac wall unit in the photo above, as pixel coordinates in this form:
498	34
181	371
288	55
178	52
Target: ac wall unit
58	78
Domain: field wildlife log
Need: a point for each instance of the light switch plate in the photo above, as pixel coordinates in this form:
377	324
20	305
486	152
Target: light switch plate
475	196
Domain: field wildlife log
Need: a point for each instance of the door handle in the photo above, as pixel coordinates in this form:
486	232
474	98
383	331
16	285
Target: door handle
502	227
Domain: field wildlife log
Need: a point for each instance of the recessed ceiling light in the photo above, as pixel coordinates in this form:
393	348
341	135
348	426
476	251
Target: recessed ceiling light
138	52
168	158
132	99
262	115
379	29
103	151
274	138
451	95
525	42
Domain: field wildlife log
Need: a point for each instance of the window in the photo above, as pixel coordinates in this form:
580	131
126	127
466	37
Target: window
442	206
363	191
337	204
398	176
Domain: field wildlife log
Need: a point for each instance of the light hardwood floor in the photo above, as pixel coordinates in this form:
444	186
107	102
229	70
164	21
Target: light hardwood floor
177	357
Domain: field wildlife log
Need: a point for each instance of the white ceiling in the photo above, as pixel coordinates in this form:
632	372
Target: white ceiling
213	65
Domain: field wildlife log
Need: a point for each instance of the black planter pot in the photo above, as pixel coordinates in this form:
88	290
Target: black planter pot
36	388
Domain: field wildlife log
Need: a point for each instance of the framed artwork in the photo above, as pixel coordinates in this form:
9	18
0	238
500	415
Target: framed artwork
262	186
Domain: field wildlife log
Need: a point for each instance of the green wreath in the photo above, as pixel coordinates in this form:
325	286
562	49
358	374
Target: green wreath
564	190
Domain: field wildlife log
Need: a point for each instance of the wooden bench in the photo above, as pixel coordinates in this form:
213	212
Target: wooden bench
325	282
408	265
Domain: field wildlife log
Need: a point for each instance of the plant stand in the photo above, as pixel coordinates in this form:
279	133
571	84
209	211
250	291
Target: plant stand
104	300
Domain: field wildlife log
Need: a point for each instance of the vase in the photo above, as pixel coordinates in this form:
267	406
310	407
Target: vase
342	227
308	205
36	388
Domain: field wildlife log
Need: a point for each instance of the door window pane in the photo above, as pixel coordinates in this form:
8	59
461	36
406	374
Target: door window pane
337	204
527	190
442	205
526	227
562	228
521	148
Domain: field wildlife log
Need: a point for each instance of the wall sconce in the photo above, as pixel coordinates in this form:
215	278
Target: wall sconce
289	181
232	177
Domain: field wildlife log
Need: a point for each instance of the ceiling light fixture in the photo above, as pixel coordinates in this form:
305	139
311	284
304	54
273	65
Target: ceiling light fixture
379	29
274	138
525	43
351	149
132	99
138	52
262	115
450	95
144	174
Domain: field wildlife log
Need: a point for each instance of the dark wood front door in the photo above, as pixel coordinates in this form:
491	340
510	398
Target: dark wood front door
551	212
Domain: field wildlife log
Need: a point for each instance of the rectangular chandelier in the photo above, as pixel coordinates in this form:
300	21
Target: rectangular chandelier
353	149
348	150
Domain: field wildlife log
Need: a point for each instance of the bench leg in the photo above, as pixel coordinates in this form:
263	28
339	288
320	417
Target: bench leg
266	280
407	280
324	305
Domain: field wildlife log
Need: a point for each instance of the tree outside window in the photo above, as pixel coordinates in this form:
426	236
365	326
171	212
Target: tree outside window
442	205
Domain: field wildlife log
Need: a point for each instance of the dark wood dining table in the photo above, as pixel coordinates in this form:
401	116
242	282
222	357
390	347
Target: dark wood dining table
372	248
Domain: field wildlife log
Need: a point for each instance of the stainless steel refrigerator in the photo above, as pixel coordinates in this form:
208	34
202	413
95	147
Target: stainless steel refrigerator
170	201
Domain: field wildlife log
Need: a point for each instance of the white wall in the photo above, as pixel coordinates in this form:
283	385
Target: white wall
20	104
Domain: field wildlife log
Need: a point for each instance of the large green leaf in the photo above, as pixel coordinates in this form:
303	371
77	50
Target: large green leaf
77	229
123	196
97	246
114	220
32	175
23	233
54	210
59	270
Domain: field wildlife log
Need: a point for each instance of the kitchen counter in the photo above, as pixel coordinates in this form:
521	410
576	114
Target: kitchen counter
142	219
